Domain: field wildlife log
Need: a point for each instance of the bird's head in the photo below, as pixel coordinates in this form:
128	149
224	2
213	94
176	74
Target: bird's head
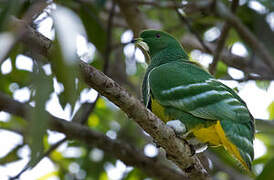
152	42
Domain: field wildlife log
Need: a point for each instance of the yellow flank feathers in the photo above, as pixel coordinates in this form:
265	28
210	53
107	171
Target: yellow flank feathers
208	134
159	110
215	135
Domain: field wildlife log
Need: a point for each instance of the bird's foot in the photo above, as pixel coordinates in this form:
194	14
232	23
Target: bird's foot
192	148
181	132
197	145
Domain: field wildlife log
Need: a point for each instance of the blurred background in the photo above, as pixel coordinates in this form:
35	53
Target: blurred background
42	41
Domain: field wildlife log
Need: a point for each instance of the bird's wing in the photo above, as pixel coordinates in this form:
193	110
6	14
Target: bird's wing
186	87
189	88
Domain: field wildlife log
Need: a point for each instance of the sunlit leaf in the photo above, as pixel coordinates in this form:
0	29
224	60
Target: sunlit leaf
221	70
100	103
57	156
49	175
264	85
232	38
93	121
135	174
103	176
11	156
270	110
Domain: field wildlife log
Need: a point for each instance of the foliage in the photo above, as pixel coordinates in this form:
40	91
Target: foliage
104	32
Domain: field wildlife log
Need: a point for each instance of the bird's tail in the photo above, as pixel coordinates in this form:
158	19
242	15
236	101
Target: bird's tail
237	138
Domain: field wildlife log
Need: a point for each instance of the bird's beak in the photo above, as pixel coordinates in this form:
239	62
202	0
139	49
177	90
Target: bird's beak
141	44
135	40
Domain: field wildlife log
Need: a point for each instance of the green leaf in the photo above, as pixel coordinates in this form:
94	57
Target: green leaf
66	74
10	8
48	175
264	85
103	176
21	77
95	31
11	156
39	117
221	70
270	110
267	173
14	123
135	174
4	85
93	120
232	38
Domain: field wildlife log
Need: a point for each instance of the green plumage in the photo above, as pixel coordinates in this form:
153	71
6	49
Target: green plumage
189	93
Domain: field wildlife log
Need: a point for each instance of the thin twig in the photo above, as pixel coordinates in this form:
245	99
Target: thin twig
47	153
252	77
220	45
85	113
159	4
221	41
187	23
109	38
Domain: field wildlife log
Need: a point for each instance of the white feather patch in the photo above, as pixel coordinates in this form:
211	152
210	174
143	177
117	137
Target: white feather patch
177	126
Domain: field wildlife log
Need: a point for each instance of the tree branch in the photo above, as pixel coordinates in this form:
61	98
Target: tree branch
159	4
178	151
130	13
188	25
127	153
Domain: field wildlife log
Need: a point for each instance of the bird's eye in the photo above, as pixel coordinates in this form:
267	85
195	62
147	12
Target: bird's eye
158	35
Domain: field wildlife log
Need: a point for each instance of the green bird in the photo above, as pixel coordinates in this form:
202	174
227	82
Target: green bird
176	89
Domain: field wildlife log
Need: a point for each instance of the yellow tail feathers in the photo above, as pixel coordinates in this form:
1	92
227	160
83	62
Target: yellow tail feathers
215	135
